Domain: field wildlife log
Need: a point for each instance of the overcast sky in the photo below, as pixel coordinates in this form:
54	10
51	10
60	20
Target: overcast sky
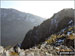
43	9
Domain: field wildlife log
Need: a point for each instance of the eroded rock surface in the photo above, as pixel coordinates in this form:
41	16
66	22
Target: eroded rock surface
61	20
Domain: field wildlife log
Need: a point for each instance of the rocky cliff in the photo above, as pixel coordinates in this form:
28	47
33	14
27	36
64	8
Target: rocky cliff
57	23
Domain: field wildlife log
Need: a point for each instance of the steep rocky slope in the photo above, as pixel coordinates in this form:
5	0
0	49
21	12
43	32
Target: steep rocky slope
44	49
15	24
58	43
57	23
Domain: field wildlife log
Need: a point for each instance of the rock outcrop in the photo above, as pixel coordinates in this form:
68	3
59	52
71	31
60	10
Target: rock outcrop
39	50
61	20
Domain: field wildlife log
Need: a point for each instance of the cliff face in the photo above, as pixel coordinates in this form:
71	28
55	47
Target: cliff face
61	20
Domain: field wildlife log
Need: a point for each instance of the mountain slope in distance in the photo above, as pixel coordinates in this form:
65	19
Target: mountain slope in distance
15	24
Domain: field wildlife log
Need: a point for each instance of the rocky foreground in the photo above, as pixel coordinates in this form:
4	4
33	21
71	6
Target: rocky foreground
44	49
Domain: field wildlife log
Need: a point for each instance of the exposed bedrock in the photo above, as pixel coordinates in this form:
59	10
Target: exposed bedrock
57	22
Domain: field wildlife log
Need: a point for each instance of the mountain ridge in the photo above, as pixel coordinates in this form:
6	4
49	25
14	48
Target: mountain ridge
50	26
15	24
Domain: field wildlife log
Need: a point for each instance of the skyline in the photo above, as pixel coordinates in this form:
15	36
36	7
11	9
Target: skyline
44	9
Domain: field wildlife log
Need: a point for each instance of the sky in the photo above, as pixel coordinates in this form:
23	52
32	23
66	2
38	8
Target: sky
44	9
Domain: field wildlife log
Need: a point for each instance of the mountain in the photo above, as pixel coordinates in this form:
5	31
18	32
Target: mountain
57	23
15	24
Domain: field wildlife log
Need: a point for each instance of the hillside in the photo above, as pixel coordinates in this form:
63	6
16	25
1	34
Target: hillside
57	23
44	49
54	37
15	24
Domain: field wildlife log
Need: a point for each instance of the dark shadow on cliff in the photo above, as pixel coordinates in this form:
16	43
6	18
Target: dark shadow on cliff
59	21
